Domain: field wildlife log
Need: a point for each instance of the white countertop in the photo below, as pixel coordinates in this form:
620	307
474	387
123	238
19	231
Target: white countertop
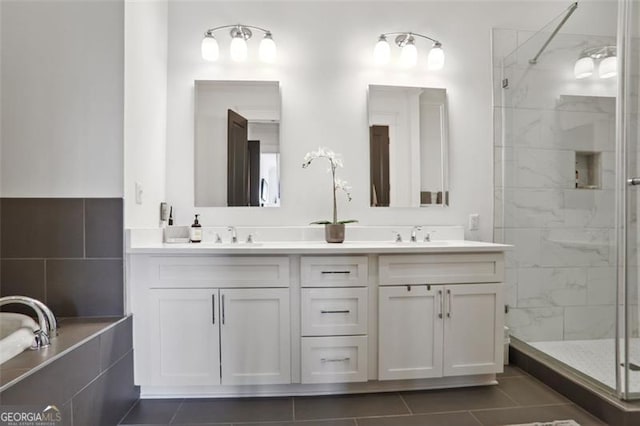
318	247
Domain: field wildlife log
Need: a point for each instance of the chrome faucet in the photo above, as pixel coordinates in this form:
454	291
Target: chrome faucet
234	234
414	234
48	326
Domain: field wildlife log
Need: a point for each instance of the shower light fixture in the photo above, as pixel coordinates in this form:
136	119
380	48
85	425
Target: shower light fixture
238	49
606	58
409	54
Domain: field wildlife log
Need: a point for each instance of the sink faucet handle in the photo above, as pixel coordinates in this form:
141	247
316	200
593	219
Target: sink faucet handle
427	237
251	237
414	233
234	235
398	236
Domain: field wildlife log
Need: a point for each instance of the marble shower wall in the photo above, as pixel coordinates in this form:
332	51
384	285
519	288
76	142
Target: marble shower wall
561	273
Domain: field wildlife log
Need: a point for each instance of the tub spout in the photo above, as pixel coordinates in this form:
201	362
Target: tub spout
48	327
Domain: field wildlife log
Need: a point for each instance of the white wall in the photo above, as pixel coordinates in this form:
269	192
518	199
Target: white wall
145	123
324	67
62	98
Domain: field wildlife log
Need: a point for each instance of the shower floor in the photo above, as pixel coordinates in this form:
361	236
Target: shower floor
595	358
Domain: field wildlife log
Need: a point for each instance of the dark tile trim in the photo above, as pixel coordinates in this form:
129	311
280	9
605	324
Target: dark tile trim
595	403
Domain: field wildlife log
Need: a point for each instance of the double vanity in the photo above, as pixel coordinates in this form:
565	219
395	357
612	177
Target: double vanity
307	317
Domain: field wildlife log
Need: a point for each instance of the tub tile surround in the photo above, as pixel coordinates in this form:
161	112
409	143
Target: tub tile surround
560	272
66	252
87	373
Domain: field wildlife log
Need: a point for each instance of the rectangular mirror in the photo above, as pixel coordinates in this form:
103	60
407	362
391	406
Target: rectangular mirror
408	146
237	143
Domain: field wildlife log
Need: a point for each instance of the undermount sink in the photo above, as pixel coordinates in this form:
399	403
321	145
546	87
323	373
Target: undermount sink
231	245
421	243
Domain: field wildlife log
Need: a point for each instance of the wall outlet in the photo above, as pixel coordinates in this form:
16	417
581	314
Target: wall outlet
138	193
474	222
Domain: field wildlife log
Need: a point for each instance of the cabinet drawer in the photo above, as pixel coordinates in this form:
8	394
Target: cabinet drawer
334	311
208	271
334	359
441	268
334	271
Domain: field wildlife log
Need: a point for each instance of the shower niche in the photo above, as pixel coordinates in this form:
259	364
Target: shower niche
588	170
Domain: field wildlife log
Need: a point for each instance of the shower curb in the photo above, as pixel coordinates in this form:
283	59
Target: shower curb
596	400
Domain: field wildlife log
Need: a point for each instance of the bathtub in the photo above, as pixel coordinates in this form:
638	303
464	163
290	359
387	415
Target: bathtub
16	334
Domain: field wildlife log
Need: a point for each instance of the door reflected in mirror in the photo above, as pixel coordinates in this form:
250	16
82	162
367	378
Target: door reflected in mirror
237	144
408	146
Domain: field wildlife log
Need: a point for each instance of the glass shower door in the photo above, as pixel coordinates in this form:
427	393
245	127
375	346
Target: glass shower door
628	199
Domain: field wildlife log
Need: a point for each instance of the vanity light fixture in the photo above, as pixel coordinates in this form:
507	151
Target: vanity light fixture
409	54
238	50
586	63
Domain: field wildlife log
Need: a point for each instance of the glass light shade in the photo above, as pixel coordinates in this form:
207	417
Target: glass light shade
608	67
267	50
238	49
409	55
435	59
583	68
210	49
382	52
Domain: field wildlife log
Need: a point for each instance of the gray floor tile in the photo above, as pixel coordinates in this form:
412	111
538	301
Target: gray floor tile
152	411
340	422
234	410
508	416
452	419
345	406
528	391
434	401
511	371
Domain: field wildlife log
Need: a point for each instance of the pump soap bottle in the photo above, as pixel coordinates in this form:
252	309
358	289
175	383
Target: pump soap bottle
195	232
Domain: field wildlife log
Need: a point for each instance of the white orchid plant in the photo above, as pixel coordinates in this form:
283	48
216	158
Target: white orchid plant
338	184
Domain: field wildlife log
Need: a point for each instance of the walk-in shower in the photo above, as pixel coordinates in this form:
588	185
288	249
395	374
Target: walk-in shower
565	144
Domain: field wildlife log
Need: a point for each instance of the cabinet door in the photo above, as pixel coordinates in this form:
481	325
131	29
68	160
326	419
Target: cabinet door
473	329
255	336
410	332
184	328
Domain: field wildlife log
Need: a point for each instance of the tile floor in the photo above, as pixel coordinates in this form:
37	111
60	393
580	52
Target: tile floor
519	398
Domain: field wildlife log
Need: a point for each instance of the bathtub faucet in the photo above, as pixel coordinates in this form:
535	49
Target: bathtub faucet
46	319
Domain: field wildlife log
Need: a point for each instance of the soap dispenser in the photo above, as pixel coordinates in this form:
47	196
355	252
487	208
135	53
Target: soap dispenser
195	232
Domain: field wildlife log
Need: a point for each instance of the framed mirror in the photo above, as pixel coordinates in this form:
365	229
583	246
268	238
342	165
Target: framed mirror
237	143
408	146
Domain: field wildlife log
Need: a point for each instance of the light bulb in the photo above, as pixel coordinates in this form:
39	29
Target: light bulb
382	51
608	67
267	51
238	49
583	67
435	59
210	49
409	55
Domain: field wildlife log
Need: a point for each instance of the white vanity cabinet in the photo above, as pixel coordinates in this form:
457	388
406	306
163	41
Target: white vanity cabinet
445	321
184	335
283	319
334	319
207	336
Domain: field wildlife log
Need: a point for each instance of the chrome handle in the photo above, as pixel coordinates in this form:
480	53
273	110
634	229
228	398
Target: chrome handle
335	312
441	303
633	181
335	359
450	313
223	309
335	272
213	308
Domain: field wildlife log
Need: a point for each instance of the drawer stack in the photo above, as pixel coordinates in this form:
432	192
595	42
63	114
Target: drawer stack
334	318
